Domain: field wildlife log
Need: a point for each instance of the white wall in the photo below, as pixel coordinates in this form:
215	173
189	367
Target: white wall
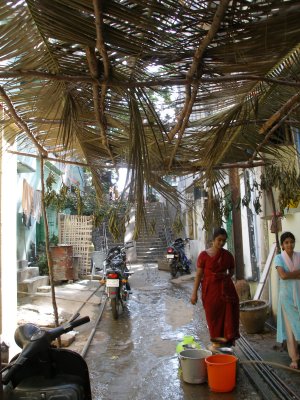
8	292
256	222
192	250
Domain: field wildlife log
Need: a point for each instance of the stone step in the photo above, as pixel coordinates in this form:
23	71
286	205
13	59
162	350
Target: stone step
151	239
146	253
44	289
153	246
30	286
149	255
22	264
27	273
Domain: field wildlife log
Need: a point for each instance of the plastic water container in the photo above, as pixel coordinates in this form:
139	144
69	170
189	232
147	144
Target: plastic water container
187	343
193	365
221	372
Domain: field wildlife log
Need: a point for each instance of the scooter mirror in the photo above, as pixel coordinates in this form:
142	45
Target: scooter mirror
24	333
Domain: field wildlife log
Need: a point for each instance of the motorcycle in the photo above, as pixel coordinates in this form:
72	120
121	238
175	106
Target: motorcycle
42	371
116	275
179	263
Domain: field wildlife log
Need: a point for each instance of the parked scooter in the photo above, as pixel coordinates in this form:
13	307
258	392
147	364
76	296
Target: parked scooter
179	263
42	371
116	275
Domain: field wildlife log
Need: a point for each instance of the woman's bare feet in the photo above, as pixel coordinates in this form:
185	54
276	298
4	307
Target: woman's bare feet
294	364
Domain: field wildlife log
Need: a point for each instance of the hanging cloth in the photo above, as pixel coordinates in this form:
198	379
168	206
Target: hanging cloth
27	200
37	205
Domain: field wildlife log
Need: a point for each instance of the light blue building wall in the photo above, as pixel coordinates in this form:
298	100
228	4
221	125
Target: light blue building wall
28	169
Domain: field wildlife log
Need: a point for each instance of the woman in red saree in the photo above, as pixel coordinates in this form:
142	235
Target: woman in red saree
215	268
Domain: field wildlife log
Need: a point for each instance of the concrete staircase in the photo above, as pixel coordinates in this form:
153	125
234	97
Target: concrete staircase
152	242
153	238
29	281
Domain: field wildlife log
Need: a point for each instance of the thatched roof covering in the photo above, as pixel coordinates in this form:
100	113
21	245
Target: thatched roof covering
88	81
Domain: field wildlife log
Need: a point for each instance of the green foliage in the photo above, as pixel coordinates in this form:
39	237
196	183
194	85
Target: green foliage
43	265
283	178
286	180
86	203
54	240
52	197
117	218
213	213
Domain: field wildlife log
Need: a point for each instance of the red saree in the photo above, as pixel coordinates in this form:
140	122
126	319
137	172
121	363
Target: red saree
219	297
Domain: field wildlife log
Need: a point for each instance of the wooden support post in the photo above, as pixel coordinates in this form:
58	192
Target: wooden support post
47	242
234	181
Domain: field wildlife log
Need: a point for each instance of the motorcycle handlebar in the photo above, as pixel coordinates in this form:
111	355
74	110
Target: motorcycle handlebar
40	341
56	332
80	321
10	373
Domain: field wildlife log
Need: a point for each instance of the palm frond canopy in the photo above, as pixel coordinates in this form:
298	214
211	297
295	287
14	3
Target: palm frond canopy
161	86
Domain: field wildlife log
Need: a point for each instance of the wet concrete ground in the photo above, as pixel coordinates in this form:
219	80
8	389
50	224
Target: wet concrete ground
134	358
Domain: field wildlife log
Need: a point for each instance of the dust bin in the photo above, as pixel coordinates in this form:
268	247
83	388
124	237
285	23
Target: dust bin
193	365
221	372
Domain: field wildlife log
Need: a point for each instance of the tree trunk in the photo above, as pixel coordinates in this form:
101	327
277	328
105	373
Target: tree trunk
49	258
234	181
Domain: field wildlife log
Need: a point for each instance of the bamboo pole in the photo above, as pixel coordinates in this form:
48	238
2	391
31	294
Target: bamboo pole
58	160
282	112
112	82
271	131
270	191
192	89
189	168
234	181
47	242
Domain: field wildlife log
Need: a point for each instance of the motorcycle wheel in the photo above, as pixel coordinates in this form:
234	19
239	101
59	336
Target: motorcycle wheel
115	307
181	270
173	270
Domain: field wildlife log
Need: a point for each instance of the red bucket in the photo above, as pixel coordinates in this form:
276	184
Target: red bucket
221	372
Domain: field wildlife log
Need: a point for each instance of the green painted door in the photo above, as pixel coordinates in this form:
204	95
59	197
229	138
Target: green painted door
230	244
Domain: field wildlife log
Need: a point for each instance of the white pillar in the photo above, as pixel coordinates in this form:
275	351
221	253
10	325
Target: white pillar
8	262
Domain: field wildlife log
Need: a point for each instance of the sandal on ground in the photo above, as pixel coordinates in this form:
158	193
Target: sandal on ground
213	349
219	340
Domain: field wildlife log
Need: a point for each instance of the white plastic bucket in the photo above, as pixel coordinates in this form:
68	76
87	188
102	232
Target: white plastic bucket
192	362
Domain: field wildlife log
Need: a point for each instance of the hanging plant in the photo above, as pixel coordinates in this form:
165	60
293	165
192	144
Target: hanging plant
257	205
286	181
61	197
227	206
213	211
55	199
79	201
113	225
116	223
